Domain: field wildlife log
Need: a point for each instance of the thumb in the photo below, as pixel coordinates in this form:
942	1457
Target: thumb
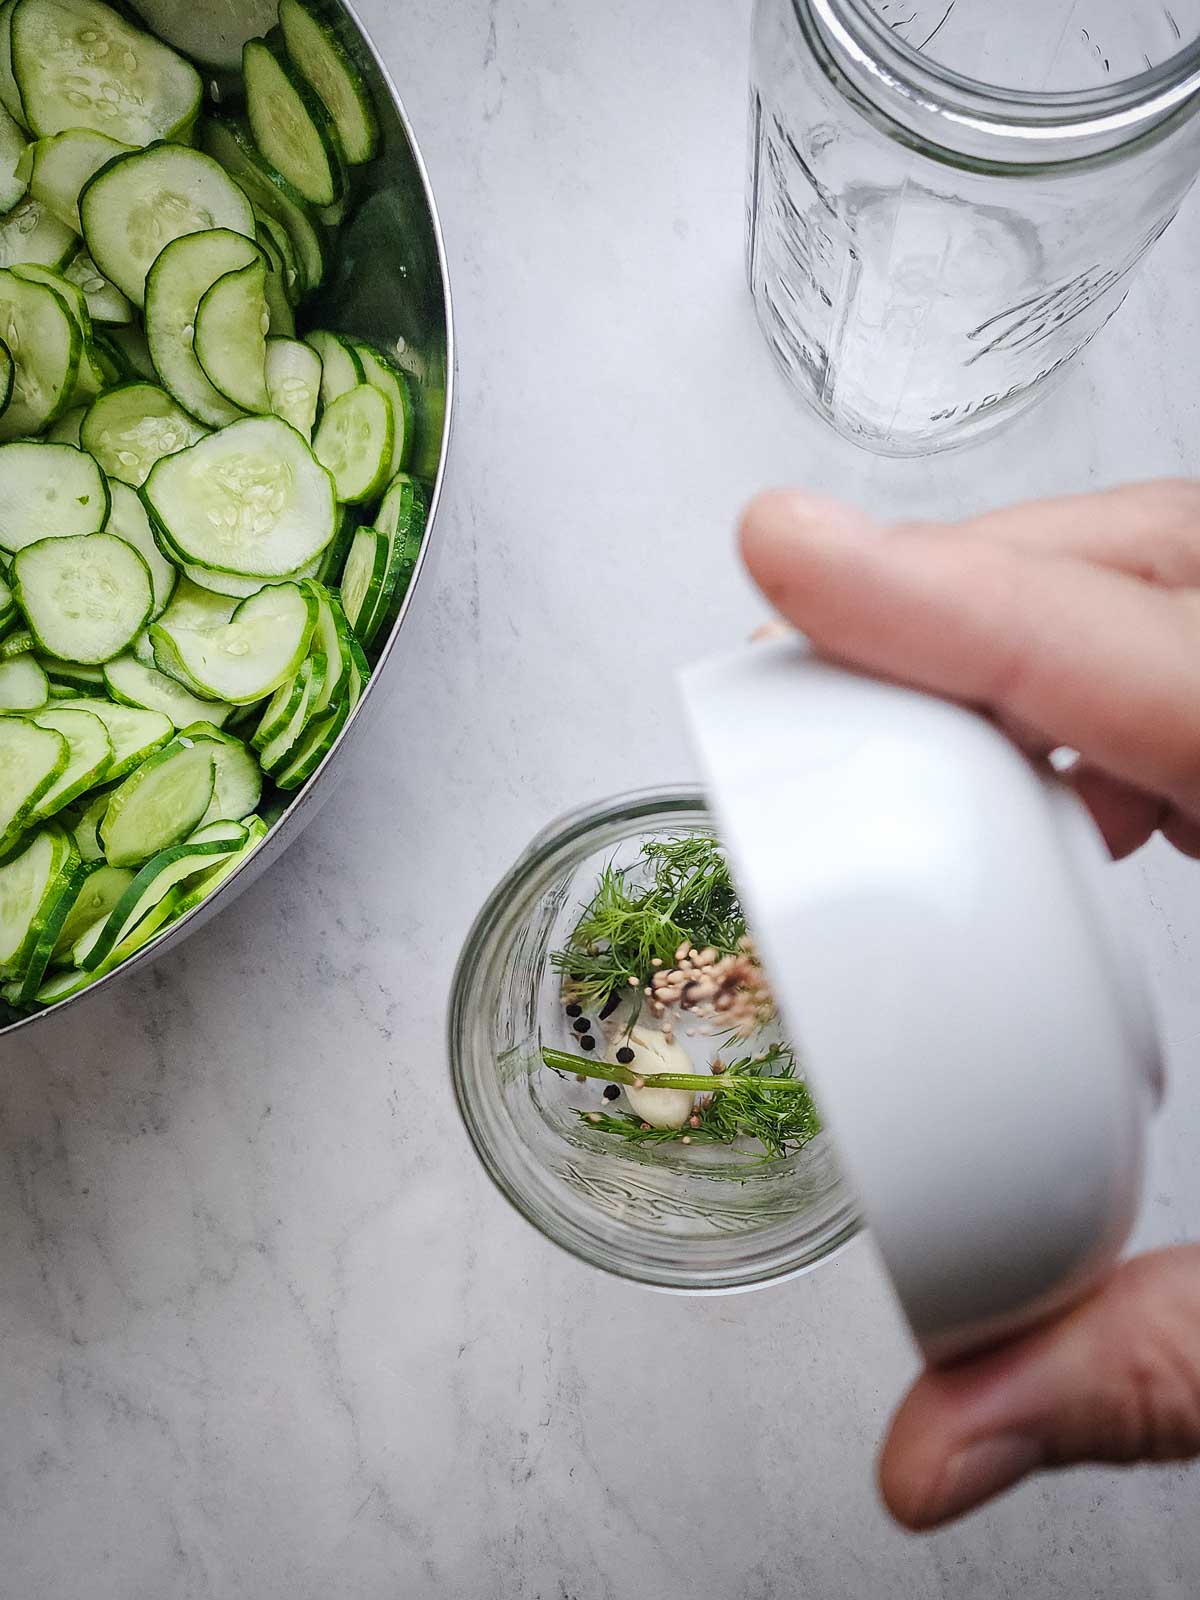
1117	1379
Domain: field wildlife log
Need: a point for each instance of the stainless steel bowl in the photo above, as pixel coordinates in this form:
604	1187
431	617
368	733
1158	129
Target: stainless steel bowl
389	283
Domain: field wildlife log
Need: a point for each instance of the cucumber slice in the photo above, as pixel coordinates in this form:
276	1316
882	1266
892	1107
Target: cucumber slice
294	383
32	759
319	739
8	606
18	643
291	125
364	583
132	351
178	281
281	709
149	888
13	166
105	302
84	598
137	204
229	584
56	913
132	683
277	242
127	520
277	751
133	732
86	830
195	894
213	33
132	427
89	756
393	385
49	490
341	369
30	235
23	685
232	144
260	648
333	559
354	443
317	53
63	163
68	680
10	95
158	805
231	336
78	64
96	891
251	499
200	609
7	374
237	787
45	346
281	322
66	429
143	649
91	377
29	886
360	671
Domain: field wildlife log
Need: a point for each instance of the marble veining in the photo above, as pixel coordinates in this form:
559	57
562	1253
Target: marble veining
266	1333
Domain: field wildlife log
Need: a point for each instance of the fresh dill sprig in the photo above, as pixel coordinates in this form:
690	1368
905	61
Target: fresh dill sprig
627	926
756	1097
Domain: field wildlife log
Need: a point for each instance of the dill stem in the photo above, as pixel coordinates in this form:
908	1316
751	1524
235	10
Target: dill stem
584	1067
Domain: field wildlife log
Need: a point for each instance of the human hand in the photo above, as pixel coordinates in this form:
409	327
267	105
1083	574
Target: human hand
1074	623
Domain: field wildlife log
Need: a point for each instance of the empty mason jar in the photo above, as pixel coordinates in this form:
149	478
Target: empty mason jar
947	201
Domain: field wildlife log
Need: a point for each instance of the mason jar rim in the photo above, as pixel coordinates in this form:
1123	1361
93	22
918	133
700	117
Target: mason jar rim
989	123
518	1178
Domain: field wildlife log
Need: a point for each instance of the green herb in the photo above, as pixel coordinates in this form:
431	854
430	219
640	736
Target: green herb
627	926
756	1097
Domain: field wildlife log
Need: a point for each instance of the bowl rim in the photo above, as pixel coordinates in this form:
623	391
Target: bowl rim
287	820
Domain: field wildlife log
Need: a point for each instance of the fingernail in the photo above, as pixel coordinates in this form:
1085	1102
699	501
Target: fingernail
979	1472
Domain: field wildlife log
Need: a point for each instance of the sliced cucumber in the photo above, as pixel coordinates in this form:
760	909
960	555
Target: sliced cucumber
251	499
85	832
280	319
132	427
98	889
277	751
84	598
89	756
63	163
32	759
105	302
393	385
132	351
14	168
260	648
291	126
55	915
294	383
231	336
178	281
148	889
354	443
364	583
195	894
78	64
132	683
277	242
334	640
7	374
127	520
237	787
45	344
133	208
229	584
341	369
200	609
68	680
159	804
232	144
17	643
29	886
319	739
91	377
133	732
281	708
29	234
24	685
8	606
66	429
10	95
49	490
213	34
316	51
333	559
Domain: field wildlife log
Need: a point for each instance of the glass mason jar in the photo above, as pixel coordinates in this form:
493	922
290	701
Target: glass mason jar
947	201
688	1219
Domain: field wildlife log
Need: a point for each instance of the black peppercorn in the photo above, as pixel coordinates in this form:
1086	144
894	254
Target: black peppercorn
587	1042
612	1092
582	1025
574	1011
625	1055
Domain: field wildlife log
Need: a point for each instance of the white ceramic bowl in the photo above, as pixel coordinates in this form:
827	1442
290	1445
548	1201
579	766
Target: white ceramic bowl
933	909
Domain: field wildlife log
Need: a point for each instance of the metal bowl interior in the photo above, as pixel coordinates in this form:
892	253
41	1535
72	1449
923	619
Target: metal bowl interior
388	283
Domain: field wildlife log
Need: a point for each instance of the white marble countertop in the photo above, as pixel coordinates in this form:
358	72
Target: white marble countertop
266	1333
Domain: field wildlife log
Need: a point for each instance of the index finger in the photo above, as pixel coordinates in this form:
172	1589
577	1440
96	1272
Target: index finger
1088	657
